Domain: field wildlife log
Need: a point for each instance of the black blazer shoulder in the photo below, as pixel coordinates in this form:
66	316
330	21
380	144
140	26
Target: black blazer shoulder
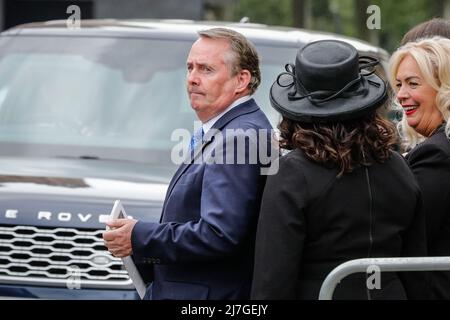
317	177
435	149
312	178
430	163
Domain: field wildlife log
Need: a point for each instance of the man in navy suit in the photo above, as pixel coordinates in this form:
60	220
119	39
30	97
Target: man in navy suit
203	247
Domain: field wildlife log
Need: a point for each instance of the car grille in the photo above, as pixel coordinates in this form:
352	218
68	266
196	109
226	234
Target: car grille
74	258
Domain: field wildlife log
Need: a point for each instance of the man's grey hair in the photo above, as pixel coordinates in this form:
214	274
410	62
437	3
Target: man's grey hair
245	56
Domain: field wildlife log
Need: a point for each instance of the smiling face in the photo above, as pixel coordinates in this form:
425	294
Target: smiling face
417	98
210	84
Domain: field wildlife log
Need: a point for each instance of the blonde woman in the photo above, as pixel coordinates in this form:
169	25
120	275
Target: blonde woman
420	74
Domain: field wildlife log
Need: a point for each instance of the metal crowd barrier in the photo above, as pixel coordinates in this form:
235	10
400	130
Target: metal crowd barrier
384	265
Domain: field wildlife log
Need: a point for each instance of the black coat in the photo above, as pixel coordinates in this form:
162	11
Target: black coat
430	162
311	221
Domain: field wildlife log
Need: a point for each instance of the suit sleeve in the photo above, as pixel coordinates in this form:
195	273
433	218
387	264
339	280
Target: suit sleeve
431	166
280	234
230	200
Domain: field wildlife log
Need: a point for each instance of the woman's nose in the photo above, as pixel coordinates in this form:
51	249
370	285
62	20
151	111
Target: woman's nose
402	93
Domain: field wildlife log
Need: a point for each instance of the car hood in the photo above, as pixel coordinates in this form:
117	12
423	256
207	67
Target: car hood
78	193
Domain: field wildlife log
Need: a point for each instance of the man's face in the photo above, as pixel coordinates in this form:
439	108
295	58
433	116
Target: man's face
211	88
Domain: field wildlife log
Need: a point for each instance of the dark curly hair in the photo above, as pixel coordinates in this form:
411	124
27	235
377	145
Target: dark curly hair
339	145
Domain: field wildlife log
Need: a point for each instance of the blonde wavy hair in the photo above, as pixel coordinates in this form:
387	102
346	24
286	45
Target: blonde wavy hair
433	58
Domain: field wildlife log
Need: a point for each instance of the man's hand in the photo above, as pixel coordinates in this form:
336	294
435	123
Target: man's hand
118	241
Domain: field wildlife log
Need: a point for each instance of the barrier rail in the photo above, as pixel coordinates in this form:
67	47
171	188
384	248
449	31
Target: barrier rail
384	264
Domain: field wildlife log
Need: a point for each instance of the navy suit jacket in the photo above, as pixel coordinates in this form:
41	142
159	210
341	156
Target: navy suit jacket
203	247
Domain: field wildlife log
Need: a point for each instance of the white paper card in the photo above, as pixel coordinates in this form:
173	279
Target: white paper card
118	212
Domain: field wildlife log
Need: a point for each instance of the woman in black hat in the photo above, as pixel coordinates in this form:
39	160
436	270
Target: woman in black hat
341	193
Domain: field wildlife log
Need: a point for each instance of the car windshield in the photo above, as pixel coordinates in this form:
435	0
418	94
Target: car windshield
105	98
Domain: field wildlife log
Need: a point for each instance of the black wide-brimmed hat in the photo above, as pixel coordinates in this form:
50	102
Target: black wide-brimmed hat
329	82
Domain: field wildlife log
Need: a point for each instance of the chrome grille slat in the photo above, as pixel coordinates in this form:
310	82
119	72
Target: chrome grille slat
51	230
42	255
68	254
50	243
31	236
43	272
42	246
25	262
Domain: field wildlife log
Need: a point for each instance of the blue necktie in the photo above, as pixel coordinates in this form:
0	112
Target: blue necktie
196	140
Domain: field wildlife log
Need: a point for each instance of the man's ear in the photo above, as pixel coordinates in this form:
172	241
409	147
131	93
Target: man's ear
243	79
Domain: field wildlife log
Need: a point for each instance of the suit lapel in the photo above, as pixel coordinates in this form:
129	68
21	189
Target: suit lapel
244	108
183	167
